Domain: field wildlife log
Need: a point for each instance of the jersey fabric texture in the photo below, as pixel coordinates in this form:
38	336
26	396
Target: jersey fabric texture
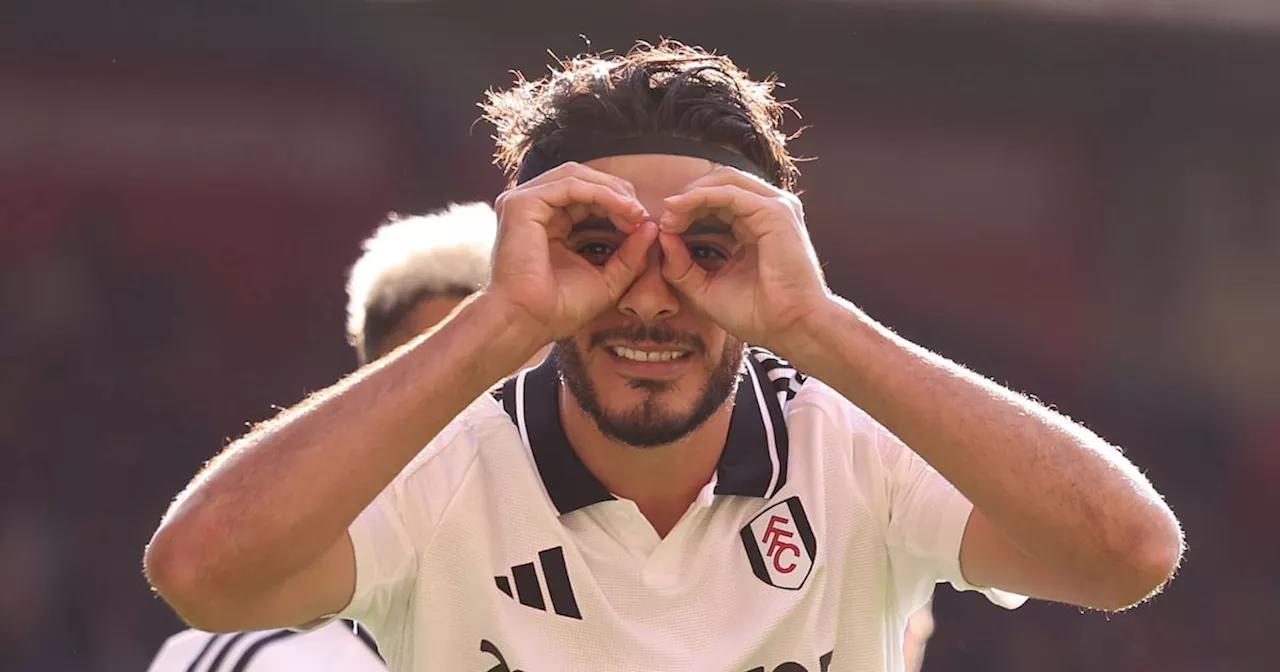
495	549
338	647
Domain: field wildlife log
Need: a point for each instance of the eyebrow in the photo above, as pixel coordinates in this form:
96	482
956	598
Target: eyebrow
594	224
708	226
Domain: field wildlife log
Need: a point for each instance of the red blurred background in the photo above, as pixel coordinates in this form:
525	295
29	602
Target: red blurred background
1080	199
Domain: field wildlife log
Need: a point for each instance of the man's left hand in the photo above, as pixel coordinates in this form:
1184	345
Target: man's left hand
771	283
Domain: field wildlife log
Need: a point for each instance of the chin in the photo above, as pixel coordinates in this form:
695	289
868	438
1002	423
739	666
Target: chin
643	412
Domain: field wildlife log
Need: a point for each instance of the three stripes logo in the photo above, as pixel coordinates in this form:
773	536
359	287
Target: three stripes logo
528	588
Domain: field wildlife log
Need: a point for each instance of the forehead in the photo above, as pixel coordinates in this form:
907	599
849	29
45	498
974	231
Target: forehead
655	176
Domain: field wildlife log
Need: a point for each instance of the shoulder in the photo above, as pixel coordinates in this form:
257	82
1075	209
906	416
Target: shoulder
193	649
427	485
335	646
457	446
811	406
801	395
181	649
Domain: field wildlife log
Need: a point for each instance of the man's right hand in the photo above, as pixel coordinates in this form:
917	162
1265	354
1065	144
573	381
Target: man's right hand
537	274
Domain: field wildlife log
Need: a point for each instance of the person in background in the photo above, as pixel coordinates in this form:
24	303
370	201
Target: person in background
413	272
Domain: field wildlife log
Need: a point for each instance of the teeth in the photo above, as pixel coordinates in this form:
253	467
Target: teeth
643	356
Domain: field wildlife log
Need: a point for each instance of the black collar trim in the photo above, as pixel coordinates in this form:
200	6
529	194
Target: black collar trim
753	464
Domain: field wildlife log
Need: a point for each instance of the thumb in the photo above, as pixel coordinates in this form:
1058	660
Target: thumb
678	267
629	261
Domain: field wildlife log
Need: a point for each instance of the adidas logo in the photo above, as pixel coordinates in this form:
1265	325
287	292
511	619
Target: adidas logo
528	588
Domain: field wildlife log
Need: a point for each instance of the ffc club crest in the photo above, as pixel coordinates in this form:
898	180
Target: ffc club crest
780	545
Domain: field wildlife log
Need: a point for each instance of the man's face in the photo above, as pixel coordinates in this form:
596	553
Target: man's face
651	370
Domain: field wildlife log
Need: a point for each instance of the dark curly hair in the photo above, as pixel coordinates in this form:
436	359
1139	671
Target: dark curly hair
664	89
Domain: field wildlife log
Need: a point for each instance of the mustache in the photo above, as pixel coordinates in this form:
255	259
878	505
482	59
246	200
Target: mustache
656	334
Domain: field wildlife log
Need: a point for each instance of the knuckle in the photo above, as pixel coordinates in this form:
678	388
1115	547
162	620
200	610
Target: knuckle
511	197
500	203
579	185
564	169
784	204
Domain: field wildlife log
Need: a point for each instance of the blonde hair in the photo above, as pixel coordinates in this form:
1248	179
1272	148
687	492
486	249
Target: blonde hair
411	259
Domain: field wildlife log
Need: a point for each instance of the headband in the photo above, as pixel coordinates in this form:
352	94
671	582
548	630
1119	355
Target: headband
583	148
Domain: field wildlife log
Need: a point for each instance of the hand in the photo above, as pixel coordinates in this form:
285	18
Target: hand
534	272
770	282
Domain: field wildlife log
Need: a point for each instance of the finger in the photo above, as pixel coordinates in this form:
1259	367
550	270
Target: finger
624	211
629	261
729	175
743	207
678	267
580	212
582	172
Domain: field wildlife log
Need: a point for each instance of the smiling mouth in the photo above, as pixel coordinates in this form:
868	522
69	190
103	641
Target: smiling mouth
649	355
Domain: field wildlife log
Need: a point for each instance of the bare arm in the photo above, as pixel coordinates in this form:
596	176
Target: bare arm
259	539
1059	514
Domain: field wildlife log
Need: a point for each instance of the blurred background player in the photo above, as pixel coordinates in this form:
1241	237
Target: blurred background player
413	272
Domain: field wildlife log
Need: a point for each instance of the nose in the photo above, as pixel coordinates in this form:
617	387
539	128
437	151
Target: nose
650	299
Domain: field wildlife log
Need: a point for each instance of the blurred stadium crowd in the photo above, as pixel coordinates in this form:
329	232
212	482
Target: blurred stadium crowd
1089	210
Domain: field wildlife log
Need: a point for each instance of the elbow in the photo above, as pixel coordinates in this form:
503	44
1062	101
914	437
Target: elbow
179	573
1145	565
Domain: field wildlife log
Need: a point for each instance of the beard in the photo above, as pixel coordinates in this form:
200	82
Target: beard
651	423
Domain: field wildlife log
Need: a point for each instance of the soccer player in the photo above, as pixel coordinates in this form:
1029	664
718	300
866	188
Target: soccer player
412	273
710	472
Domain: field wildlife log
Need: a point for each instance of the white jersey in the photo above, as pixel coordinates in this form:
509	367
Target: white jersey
496	550
336	647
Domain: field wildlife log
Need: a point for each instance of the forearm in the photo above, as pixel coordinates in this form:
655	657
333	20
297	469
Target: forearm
1056	490
287	491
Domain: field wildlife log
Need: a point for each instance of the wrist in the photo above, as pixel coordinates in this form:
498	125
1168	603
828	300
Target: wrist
823	333
509	335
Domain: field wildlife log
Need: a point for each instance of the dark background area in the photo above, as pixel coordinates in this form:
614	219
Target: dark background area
1081	204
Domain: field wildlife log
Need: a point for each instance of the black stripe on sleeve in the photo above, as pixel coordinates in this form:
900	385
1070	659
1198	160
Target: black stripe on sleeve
226	648
254	648
204	651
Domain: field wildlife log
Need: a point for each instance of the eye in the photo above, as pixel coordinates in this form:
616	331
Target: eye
709	257
597	251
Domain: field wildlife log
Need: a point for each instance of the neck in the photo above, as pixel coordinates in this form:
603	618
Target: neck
663	481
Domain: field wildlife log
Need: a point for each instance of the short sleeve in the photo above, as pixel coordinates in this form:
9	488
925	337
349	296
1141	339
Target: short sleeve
386	564
927	521
394	530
